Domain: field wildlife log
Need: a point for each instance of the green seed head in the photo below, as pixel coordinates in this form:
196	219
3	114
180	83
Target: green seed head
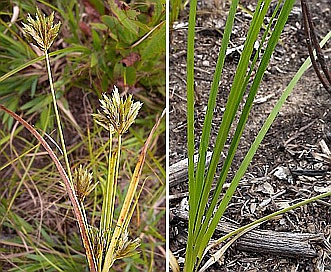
117	114
41	31
126	247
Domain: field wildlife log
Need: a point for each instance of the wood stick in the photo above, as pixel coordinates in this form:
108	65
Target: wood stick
287	244
263	241
178	171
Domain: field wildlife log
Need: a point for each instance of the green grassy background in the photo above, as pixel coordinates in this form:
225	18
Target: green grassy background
96	48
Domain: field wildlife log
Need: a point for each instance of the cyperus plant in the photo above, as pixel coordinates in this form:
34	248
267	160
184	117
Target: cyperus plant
204	211
111	241
117	116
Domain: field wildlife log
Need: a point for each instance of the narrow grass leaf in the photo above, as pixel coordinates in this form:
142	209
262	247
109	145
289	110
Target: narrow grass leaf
58	53
190	134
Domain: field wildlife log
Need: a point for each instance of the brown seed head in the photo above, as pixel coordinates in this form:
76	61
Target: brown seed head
83	183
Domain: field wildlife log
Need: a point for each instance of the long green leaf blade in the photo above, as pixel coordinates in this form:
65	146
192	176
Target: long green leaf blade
190	134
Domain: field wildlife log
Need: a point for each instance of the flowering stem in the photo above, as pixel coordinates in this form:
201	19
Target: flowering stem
80	213
125	210
65	155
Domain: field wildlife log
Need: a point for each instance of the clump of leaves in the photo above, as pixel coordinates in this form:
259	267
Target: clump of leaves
205	209
127	45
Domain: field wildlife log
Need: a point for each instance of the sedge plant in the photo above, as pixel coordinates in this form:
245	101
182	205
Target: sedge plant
110	242
205	212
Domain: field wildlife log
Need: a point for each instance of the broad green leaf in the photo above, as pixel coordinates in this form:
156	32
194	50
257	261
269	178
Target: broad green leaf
118	31
125	18
154	45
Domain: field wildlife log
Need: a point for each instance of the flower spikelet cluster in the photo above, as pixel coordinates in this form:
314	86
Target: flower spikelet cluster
83	183
117	113
126	248
41	31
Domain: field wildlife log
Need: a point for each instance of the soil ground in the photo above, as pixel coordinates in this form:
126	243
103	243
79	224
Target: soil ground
293	142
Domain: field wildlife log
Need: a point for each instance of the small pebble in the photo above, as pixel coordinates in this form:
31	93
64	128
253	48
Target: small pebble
205	63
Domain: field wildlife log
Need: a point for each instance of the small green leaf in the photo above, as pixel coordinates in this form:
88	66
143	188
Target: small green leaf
96	40
12	105
45	121
99	26
94	60
34	87
131	75
118	70
110	22
37	104
118	32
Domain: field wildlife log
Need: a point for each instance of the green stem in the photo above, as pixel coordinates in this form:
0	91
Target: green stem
104	222
119	145
109	201
111	243
65	155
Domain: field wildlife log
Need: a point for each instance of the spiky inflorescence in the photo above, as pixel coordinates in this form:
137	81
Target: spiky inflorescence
83	183
41	31
117	114
126	247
